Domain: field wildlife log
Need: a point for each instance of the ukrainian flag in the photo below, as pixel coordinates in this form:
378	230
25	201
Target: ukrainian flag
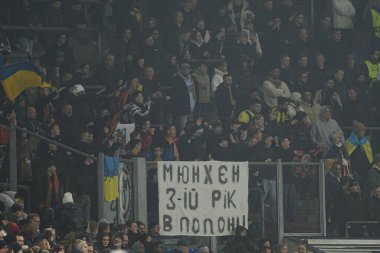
18	77
111	178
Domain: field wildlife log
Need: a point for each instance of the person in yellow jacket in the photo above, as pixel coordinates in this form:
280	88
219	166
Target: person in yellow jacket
372	66
246	116
359	151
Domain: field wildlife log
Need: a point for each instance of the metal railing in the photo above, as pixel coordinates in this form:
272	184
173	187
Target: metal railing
368	222
53	29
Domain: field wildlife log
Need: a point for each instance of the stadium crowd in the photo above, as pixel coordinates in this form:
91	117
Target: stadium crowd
229	80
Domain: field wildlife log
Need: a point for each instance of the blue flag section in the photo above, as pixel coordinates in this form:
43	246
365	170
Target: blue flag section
17	77
111	178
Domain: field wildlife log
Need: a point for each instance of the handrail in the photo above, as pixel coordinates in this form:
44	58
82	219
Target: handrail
44	28
364	222
53	142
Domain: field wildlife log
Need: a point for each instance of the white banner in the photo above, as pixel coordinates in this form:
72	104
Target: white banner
202	198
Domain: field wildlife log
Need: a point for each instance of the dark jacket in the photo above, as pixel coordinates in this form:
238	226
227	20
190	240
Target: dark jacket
70	219
180	99
223	102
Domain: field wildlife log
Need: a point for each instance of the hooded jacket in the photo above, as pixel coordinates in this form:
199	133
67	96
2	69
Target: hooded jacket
343	12
322	128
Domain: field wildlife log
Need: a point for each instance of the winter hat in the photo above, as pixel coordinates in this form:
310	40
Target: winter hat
3	244
67	198
358	126
79	244
353	183
15	247
16	208
300	115
13	229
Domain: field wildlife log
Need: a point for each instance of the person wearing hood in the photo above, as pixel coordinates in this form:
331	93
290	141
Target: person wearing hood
70	216
239	240
359	150
323	127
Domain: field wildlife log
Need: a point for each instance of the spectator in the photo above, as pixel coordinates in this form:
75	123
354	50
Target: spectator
225	99
273	88
70	216
61	54
202	90
170	152
219	72
285	153
373	174
323	127
183	97
360	152
54	14
356	108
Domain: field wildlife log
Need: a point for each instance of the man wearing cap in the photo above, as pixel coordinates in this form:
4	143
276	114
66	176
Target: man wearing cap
70	216
274	88
182	246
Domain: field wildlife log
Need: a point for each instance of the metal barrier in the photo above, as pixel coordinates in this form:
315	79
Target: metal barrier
52	29
348	223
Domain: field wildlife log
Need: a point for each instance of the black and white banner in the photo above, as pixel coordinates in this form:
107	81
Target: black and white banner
202	198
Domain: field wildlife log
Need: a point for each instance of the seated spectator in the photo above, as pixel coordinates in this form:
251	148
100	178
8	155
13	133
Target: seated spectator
170	150
322	128
309	106
247	116
274	88
336	152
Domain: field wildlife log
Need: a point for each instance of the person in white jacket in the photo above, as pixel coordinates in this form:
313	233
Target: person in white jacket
274	88
217	78
343	13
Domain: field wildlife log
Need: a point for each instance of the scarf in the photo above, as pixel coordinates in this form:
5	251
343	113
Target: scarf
355	141
53	190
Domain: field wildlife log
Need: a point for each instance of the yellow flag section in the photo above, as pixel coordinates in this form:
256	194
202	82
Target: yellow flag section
17	77
111	178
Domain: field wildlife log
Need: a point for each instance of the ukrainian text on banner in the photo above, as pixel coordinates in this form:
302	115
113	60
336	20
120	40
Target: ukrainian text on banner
202	198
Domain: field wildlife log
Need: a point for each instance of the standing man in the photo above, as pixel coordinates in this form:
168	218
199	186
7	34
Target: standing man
183	97
225	100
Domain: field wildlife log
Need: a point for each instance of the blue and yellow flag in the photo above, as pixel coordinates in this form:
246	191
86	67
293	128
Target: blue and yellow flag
18	77
111	178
